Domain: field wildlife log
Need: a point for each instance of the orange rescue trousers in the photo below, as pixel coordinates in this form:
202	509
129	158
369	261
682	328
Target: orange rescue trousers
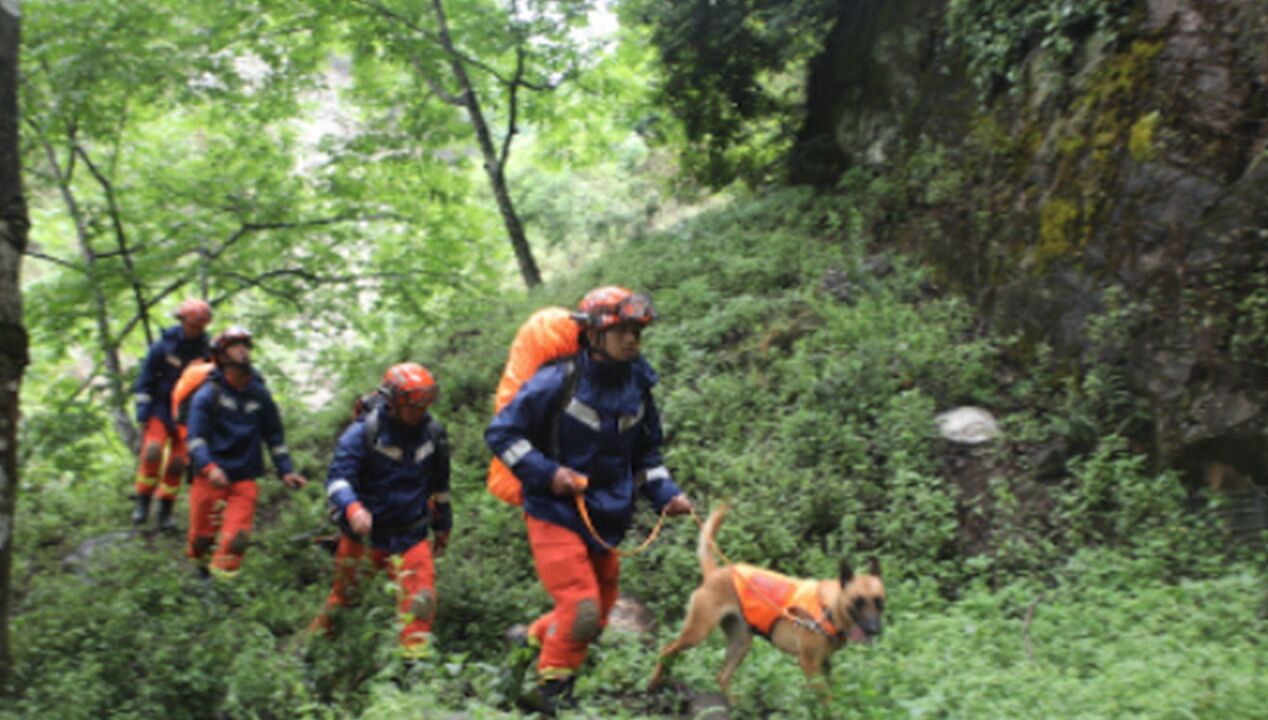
415	577
584	587
220	518
153	441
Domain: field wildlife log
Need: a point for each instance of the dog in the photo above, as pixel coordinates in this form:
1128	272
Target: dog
807	618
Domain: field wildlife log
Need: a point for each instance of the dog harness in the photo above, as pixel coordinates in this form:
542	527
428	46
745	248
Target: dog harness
766	597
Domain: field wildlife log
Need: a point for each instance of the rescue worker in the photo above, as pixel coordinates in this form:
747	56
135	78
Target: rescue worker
231	414
168	356
585	426
388	486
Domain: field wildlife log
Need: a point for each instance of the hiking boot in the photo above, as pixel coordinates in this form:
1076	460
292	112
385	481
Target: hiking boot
519	655
550	696
164	518
141	510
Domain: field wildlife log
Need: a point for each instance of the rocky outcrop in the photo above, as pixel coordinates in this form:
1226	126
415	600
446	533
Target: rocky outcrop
1112	202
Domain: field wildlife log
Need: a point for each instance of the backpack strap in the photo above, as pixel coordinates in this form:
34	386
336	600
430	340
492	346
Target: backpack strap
373	421
214	377
438	435
370	428
572	379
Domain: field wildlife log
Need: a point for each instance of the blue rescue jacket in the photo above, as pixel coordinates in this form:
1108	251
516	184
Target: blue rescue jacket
609	431
394	475
227	427
168	356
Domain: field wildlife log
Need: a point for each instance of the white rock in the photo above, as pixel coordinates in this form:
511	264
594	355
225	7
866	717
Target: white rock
967	425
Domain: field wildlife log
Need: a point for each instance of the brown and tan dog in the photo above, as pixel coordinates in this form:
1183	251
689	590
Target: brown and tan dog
807	618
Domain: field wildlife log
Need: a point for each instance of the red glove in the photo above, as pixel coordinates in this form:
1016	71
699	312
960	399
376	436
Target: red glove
359	519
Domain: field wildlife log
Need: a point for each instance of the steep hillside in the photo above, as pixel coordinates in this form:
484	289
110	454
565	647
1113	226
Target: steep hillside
803	364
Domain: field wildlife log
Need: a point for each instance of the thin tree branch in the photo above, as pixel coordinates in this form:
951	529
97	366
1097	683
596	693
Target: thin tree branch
116	253
513	103
116	219
70	399
449	48
1025	630
155	300
248	228
55	260
434	84
317	279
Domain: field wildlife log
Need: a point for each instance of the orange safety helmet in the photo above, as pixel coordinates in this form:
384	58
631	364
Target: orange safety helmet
194	309
611	305
235	334
409	384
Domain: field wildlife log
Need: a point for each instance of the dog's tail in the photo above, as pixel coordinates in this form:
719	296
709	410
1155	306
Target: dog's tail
704	550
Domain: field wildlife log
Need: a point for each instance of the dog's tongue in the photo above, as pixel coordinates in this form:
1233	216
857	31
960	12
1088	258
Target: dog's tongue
856	634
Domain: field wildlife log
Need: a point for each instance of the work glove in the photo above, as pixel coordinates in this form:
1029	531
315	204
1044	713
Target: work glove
680	505
568	482
217	477
360	519
441	542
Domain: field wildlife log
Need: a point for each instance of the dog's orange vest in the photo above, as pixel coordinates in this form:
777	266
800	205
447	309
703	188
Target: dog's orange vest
767	596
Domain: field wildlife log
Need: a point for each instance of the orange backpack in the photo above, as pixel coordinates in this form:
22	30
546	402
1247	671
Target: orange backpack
547	335
192	378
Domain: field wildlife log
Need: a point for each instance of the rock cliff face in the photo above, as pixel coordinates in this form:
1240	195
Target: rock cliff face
1125	176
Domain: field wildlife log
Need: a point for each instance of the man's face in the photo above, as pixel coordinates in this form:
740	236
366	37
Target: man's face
238	353
194	325
411	415
621	342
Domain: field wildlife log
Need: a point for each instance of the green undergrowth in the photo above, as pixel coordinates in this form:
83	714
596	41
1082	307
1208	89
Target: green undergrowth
802	367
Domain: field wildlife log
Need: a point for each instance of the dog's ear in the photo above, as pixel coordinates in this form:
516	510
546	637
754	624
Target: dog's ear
845	573
874	566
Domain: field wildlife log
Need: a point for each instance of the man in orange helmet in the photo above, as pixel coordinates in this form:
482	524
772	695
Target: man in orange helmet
175	349
585	426
231	415
388	486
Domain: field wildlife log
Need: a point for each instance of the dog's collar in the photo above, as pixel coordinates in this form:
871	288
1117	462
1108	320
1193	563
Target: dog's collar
825	625
834	633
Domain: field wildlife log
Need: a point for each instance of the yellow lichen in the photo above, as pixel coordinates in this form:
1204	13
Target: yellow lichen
1141	140
1060	231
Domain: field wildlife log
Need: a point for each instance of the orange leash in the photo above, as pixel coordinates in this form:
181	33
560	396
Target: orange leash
585	518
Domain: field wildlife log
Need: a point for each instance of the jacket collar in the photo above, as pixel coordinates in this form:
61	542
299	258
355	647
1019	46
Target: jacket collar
256	383
623	398
176	335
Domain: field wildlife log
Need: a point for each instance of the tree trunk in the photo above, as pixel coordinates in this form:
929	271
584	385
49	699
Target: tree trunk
492	165
13	339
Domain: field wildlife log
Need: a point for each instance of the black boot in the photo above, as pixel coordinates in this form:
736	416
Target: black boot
164	518
550	696
142	509
519	655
